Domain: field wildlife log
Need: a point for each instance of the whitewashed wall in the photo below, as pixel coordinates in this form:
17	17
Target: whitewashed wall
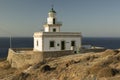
50	20
58	41
46	29
39	46
50	29
57	29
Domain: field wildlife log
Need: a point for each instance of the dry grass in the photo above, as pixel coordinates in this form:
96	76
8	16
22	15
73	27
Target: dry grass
109	52
106	72
5	64
89	66
95	69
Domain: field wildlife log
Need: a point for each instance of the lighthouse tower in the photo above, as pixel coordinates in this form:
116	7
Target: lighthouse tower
52	25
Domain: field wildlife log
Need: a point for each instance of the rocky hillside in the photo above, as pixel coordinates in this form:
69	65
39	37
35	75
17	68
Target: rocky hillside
89	66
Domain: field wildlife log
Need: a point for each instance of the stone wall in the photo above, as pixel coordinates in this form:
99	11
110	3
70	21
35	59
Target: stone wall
91	50
24	58
19	58
57	53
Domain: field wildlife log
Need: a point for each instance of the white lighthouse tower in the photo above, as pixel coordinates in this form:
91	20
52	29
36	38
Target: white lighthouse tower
53	41
52	25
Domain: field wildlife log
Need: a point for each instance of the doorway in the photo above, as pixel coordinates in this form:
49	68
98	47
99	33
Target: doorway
62	45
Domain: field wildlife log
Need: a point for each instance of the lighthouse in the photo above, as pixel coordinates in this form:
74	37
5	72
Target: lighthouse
53	41
50	42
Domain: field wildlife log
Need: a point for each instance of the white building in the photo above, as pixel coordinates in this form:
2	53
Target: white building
52	39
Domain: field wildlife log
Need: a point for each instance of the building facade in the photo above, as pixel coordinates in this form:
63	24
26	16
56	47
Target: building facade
52	39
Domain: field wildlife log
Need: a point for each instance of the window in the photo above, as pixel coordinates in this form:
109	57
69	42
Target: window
54	30
72	43
37	43
52	43
54	21
57	44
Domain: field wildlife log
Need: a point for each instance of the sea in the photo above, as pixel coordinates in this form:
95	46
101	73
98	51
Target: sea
27	42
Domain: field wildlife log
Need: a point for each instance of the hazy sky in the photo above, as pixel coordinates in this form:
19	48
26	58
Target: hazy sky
94	18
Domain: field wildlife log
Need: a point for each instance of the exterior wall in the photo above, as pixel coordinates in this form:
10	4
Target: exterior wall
49	28
19	58
50	20
38	44
23	58
55	27
44	39
46	29
48	54
91	50
58	43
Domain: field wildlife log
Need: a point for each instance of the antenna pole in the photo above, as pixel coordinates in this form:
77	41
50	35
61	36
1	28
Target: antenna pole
10	42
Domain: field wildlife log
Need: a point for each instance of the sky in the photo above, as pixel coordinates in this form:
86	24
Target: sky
93	18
